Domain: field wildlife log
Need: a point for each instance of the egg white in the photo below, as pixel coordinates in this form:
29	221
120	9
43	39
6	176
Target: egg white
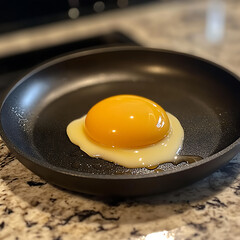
161	152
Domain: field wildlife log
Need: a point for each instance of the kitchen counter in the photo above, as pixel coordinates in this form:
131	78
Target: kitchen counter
30	208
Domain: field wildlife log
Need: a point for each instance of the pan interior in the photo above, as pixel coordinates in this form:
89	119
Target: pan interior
203	97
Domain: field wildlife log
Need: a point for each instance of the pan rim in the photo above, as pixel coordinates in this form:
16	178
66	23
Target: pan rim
88	52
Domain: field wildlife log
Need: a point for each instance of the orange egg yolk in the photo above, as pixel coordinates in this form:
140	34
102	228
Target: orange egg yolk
126	121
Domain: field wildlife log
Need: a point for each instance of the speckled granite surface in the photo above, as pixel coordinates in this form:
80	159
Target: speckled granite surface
30	208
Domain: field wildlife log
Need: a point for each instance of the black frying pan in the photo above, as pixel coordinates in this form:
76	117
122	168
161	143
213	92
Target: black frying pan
202	95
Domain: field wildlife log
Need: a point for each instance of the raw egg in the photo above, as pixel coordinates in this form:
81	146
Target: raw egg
129	130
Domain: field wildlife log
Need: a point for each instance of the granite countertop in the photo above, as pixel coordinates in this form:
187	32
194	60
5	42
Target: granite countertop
30	208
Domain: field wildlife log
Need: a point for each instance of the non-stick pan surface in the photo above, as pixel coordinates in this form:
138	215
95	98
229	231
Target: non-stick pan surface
202	95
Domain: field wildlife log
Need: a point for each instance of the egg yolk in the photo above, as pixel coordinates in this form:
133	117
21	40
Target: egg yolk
126	121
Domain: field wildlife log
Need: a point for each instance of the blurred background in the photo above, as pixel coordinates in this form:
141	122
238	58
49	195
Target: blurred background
16	14
34	31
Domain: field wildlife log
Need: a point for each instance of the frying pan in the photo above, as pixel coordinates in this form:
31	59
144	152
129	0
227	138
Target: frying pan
204	97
